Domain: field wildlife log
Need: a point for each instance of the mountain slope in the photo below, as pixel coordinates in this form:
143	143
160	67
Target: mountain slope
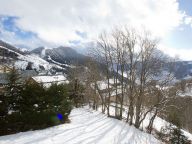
10	47
64	55
10	54
86	126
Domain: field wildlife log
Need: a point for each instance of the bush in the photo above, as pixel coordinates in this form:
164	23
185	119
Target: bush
177	136
172	134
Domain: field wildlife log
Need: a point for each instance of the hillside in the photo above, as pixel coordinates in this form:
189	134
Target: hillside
10	54
64	55
86	126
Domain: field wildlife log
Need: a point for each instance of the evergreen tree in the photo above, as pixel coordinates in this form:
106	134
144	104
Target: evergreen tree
29	66
33	97
33	107
13	90
3	113
58	100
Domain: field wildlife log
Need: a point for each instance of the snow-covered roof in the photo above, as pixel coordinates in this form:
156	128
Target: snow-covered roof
104	84
113	93
49	79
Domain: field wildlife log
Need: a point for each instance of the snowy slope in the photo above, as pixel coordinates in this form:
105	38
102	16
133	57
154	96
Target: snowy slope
60	64
86	127
23	60
36	60
158	122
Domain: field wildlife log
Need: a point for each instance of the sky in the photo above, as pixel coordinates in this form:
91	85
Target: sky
33	23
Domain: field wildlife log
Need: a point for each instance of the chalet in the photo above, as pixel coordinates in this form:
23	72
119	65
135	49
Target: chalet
47	81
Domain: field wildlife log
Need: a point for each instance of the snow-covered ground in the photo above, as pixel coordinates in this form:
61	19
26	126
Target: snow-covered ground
86	127
187	92
158	122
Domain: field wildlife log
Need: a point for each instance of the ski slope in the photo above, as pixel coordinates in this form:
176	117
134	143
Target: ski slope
86	127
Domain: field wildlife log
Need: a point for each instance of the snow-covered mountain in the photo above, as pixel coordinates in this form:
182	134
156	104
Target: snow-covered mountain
10	54
63	55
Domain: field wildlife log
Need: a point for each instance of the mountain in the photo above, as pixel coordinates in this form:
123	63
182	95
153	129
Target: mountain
10	47
63	55
38	51
10	54
183	69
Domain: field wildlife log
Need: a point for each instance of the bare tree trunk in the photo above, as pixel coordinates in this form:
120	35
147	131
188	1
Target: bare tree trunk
150	126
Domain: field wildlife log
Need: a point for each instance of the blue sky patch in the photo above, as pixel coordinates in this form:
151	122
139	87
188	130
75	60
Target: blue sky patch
9	24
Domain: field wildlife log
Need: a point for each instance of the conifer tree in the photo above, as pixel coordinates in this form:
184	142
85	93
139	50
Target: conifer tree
13	89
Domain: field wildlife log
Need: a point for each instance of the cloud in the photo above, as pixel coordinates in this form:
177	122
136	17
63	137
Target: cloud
188	20
64	21
11	33
184	54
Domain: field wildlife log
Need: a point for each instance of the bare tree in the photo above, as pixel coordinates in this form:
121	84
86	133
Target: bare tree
92	76
133	59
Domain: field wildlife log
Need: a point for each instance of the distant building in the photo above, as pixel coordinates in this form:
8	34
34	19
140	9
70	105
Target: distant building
103	90
5	69
24	76
47	81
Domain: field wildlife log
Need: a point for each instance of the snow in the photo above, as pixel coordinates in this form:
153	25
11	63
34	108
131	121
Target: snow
49	79
187	92
44	51
104	84
158	122
21	64
86	127
60	64
36	60
188	77
35	105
